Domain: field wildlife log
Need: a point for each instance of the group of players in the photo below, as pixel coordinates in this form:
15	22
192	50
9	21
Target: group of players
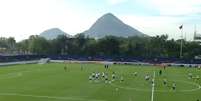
194	77
111	77
148	78
108	77
104	76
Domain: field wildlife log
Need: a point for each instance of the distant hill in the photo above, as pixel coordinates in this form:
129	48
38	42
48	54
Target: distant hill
108	25
53	33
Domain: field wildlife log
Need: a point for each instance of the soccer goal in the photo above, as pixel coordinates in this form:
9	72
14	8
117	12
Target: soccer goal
43	60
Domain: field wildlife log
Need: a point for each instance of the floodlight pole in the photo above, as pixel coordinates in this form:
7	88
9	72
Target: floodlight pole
195	32
181	47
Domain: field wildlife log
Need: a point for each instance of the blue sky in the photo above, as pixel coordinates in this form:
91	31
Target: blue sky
21	18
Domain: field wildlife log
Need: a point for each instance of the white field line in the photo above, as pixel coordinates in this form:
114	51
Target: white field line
13	74
153	87
17	74
162	91
49	97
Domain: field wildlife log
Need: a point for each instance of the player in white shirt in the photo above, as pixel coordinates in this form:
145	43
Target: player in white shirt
174	86
147	77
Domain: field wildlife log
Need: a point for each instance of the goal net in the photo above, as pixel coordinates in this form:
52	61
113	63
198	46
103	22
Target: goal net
43	61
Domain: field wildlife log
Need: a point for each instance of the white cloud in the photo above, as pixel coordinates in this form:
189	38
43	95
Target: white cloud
115	2
172	13
177	7
21	18
158	25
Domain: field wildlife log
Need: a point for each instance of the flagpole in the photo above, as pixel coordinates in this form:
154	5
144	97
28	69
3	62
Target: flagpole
181	47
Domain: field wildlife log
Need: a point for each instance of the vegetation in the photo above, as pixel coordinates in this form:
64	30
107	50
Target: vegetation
158	46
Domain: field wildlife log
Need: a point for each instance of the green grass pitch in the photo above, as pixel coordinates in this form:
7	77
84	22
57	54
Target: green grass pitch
49	82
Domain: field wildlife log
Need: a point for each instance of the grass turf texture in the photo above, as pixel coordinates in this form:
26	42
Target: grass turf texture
49	82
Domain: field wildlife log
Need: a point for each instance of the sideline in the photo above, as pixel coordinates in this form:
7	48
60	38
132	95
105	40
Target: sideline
18	63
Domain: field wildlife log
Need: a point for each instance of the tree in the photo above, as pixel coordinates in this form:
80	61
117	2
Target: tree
23	47
157	46
38	45
108	46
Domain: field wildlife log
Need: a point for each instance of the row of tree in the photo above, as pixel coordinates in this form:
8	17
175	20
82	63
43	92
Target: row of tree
158	46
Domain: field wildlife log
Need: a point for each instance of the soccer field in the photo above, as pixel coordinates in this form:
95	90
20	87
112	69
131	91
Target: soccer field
50	82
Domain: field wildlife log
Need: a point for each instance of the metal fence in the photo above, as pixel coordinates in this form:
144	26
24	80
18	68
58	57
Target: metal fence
99	58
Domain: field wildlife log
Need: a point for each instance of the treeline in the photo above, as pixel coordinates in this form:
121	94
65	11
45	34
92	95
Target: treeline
158	46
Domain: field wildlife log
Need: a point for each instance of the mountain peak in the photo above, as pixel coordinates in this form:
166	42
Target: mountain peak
108	15
53	33
54	29
110	25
